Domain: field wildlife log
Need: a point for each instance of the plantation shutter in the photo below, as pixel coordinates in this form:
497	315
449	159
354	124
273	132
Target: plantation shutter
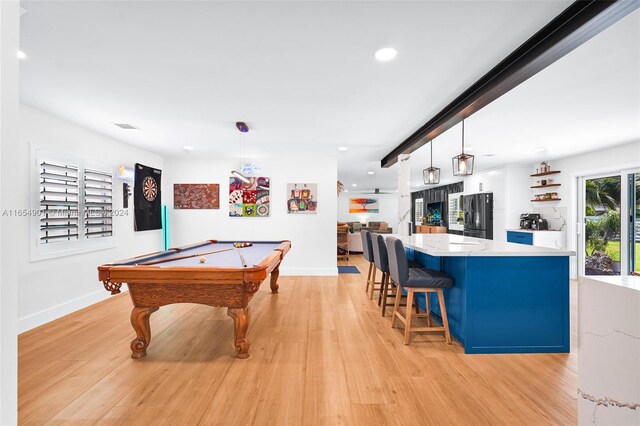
58	202
98	204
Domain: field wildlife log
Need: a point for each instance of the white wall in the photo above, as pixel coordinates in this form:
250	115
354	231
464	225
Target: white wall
388	209
9	44
52	288
611	160
313	237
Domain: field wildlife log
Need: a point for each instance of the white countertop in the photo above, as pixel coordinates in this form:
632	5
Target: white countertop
458	245
531	231
629	281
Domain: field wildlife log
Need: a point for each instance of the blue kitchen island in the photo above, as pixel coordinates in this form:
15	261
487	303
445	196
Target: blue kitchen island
506	298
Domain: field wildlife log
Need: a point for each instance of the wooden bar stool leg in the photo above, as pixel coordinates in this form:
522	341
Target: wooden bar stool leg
426	299
366	290
445	320
385	295
382	284
373	282
416	302
396	305
407	324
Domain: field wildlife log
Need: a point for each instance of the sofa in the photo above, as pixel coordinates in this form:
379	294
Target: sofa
355	238
378	227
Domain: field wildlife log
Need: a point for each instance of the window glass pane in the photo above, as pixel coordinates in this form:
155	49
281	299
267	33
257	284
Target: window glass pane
634	252
602	226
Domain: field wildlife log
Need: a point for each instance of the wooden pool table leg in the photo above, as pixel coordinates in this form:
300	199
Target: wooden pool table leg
241	318
140	322
274	279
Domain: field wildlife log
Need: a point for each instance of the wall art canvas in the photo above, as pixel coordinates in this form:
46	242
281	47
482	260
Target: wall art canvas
147	198
302	198
364	205
249	199
196	196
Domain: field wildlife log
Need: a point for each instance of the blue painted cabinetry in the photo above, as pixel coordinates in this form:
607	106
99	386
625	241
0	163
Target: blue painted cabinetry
510	304
520	237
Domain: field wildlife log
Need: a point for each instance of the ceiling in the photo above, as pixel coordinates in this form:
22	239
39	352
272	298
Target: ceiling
588	100
303	76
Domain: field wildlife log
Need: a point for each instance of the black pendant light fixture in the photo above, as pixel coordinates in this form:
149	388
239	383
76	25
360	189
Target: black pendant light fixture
431	174
463	163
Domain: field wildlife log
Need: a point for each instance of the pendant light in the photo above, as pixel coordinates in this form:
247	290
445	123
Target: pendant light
243	128
463	163
431	174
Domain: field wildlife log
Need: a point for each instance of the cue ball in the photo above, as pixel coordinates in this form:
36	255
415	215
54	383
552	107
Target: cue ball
202	260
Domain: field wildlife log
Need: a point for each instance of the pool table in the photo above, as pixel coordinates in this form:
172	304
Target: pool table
214	273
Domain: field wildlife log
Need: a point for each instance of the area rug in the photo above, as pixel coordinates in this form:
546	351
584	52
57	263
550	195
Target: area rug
348	270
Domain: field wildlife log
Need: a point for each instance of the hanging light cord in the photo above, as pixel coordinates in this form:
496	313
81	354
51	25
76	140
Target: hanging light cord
463	136
431	143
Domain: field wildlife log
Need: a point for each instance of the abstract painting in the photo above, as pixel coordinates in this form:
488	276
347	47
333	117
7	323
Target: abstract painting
302	198
364	205
196	196
249	199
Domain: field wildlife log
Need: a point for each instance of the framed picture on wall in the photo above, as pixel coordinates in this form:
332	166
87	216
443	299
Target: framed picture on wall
196	196
302	198
249	199
364	205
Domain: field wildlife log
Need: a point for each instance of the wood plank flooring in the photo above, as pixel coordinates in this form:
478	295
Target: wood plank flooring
321	354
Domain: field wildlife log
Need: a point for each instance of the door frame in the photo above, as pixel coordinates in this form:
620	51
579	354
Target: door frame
624	222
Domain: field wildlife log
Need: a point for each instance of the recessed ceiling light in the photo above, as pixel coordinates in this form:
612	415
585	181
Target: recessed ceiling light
126	126
346	190
354	184
187	148
386	54
488	155
342	148
370	172
539	149
21	55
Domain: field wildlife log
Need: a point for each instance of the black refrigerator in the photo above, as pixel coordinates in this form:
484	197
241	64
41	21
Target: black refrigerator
478	215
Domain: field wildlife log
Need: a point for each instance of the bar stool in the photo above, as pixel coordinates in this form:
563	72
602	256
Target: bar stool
416	280
367	252
381	262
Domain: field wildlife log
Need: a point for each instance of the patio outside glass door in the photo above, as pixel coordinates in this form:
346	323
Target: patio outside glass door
602	230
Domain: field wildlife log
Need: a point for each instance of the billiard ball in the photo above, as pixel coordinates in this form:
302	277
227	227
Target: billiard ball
202	259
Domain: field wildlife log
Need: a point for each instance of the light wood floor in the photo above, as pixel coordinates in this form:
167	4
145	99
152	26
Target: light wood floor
320	354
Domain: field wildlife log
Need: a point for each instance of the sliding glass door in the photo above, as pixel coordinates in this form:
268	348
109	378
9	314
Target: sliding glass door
609	241
602	231
634	222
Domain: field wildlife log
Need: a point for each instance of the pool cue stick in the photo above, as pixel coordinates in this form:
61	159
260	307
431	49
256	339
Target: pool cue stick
155	262
244	263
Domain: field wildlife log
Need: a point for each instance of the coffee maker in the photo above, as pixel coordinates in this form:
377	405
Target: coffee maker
540	225
527	220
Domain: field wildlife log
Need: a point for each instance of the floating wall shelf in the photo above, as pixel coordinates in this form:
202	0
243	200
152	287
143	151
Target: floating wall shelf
545	173
550	199
546	186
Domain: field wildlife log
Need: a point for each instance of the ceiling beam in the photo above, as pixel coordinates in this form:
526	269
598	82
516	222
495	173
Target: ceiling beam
578	23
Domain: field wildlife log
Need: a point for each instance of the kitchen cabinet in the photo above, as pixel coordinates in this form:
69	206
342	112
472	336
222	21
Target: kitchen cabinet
429	229
550	239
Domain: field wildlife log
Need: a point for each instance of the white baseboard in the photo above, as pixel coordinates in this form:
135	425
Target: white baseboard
302	272
37	319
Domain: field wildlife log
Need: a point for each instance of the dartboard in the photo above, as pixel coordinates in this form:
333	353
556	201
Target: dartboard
149	188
